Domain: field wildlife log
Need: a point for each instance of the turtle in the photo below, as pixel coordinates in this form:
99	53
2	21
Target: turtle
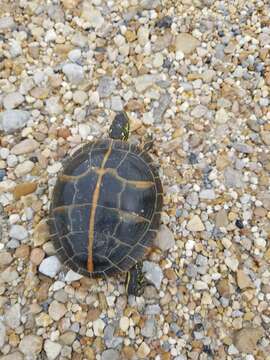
106	207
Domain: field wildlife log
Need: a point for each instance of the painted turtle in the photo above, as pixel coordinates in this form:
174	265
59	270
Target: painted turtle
105	209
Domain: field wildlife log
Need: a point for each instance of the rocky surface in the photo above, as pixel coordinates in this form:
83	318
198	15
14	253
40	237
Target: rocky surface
194	76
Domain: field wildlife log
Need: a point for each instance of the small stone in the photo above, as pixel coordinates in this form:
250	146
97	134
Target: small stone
232	263
40	92
221	116
110	354
31	345
92	15
243	280
13	356
143	35
98	326
74	73
74	55
50	266
233	178
143	351
5	258
124	323
164	239
53	106
164	22
41	233
223	288
208	75
18	232
80	97
24	168
84	130
106	86
195	224
24	189
186	43
232	350
68	337
163	104
266	137
72	276
12	120
52	349
246	339
116	103
2	334
149	328
57	310
153	273
6	23
243	148
207	194
199	111
12	100
146	81
222	218
25	146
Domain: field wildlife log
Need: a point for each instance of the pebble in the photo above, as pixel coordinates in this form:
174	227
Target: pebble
18	232
12	120
74	55
143	351
72	276
24	189
74	73
233	178
2	334
243	280
52	349
13	316
12	100
186	43
124	323
57	310
106	87
25	146
163	104
221	116
245	340
31	345
153	273
6	23
199	111
13	356
98	327
24	168
232	263
110	354
149	328
146	81
5	258
50	266
195	224
79	97
53	106
164	239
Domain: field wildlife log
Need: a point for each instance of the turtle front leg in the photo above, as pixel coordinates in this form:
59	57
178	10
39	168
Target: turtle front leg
135	280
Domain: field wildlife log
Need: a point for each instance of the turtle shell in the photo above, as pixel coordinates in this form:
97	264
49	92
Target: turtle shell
105	209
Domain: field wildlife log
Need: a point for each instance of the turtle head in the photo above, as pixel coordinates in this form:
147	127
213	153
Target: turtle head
119	129
135	280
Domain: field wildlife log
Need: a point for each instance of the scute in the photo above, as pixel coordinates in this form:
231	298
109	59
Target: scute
126	214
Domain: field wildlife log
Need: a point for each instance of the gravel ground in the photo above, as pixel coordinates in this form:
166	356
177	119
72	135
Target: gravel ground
195	75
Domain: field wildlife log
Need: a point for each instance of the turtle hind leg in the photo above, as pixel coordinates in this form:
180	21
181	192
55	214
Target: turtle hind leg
135	280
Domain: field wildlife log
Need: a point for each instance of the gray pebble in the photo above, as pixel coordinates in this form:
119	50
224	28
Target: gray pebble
106	86
12	120
18	232
163	104
149	328
165	239
153	273
110	355
233	178
50	266
6	23
74	73
152	309
13	316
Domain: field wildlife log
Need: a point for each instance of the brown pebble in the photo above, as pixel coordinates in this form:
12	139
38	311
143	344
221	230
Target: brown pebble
24	189
93	314
42	292
37	255
128	353
22	251
63	132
